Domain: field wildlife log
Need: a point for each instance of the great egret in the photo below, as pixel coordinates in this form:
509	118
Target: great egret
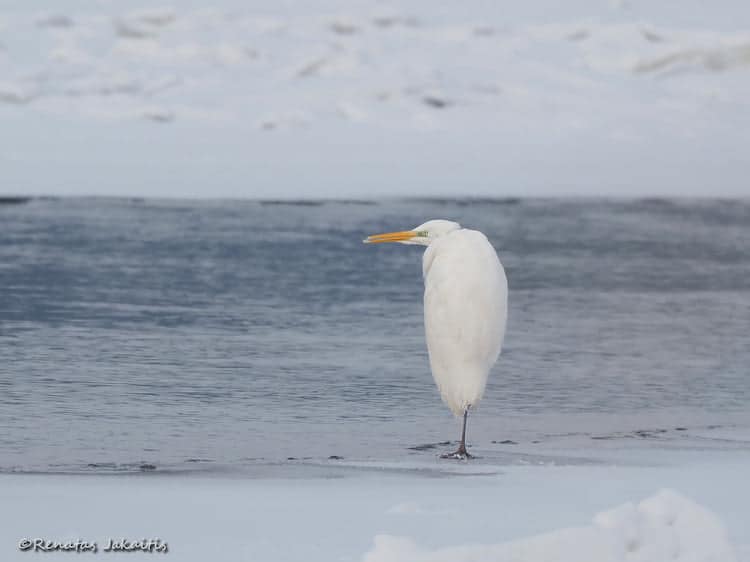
465	310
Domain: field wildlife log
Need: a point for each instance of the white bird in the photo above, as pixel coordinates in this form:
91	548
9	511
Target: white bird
465	310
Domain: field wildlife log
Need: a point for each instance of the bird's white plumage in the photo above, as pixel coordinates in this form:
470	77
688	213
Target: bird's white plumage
465	312
465	309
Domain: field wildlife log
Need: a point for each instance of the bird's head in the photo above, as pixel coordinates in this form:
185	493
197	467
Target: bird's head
421	235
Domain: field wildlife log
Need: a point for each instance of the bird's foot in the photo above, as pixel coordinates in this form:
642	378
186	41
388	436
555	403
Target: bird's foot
461	454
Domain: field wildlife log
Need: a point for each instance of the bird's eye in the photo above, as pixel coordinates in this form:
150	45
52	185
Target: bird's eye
422	233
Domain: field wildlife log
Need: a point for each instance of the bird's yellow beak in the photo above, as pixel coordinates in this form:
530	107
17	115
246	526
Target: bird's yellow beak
390	237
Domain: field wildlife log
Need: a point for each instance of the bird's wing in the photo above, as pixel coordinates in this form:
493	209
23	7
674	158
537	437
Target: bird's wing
465	309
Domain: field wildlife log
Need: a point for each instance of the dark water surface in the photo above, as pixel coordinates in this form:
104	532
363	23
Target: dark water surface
171	333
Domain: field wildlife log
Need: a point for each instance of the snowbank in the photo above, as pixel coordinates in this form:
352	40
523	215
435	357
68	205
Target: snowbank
666	526
641	96
328	512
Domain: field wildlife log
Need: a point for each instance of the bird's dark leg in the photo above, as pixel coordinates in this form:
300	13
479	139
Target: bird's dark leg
461	452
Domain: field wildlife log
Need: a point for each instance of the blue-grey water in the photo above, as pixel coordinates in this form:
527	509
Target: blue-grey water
179	333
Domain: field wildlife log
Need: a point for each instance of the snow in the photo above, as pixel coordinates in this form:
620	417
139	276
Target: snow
427	512
666	526
643	96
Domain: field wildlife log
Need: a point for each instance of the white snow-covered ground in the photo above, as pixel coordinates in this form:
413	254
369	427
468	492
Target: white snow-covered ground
666	526
577	513
374	97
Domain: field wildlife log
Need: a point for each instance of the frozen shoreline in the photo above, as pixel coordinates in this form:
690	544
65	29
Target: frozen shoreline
337	515
498	439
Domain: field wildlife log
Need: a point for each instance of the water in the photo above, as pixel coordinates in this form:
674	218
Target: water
221	334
